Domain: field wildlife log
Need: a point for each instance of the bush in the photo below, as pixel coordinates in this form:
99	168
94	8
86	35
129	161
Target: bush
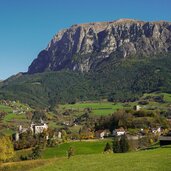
107	148
144	142
143	102
23	157
36	153
70	152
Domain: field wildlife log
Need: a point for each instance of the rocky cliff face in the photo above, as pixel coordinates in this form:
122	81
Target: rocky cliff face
82	47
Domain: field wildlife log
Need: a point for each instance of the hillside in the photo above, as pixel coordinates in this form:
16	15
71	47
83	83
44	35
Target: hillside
116	80
156	160
13	113
148	160
118	61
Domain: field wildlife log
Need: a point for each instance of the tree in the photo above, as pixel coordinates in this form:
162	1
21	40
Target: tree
70	152
107	148
36	152
120	144
6	149
43	139
124	145
64	136
116	145
2	114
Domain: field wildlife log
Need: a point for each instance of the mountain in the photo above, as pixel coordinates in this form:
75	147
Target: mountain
83	47
118	61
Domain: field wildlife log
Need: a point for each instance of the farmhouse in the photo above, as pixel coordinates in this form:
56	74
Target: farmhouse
102	133
119	132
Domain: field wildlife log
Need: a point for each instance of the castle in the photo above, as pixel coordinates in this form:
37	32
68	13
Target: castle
34	128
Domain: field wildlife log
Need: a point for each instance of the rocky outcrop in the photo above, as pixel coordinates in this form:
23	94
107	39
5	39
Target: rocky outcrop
83	46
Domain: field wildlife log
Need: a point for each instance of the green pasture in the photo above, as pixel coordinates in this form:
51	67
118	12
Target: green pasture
147	160
98	108
5	108
11	117
80	148
150	160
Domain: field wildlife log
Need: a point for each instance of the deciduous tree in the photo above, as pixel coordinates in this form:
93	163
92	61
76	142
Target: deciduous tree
6	149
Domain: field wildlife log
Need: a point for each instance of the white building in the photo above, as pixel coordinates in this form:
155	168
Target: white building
156	130
17	136
137	107
102	133
59	135
35	128
119	132
38	128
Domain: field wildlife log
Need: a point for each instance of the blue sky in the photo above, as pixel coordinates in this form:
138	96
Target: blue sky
26	26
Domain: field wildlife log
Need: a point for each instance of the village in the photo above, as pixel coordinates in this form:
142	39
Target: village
137	124
60	136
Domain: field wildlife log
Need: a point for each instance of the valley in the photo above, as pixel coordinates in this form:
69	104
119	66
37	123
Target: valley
98	97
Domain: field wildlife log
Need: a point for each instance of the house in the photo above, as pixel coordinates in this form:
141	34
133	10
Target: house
102	133
137	107
38	128
119	132
156	130
21	129
16	136
66	123
35	128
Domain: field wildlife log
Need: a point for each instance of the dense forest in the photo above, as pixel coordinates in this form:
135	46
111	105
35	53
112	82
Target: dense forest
114	79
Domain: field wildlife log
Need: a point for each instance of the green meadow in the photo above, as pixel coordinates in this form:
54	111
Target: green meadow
98	108
80	148
148	160
5	108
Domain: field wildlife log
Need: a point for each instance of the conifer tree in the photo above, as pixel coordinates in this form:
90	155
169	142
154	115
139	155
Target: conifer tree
116	145
124	145
107	148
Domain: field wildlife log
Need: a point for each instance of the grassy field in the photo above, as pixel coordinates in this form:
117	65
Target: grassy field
149	160
98	108
80	148
12	116
5	108
9	123
166	96
105	108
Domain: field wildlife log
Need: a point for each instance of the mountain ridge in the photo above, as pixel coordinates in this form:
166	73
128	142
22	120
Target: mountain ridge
82	46
119	64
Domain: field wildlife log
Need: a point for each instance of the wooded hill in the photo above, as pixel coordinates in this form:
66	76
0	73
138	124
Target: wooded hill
114	79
